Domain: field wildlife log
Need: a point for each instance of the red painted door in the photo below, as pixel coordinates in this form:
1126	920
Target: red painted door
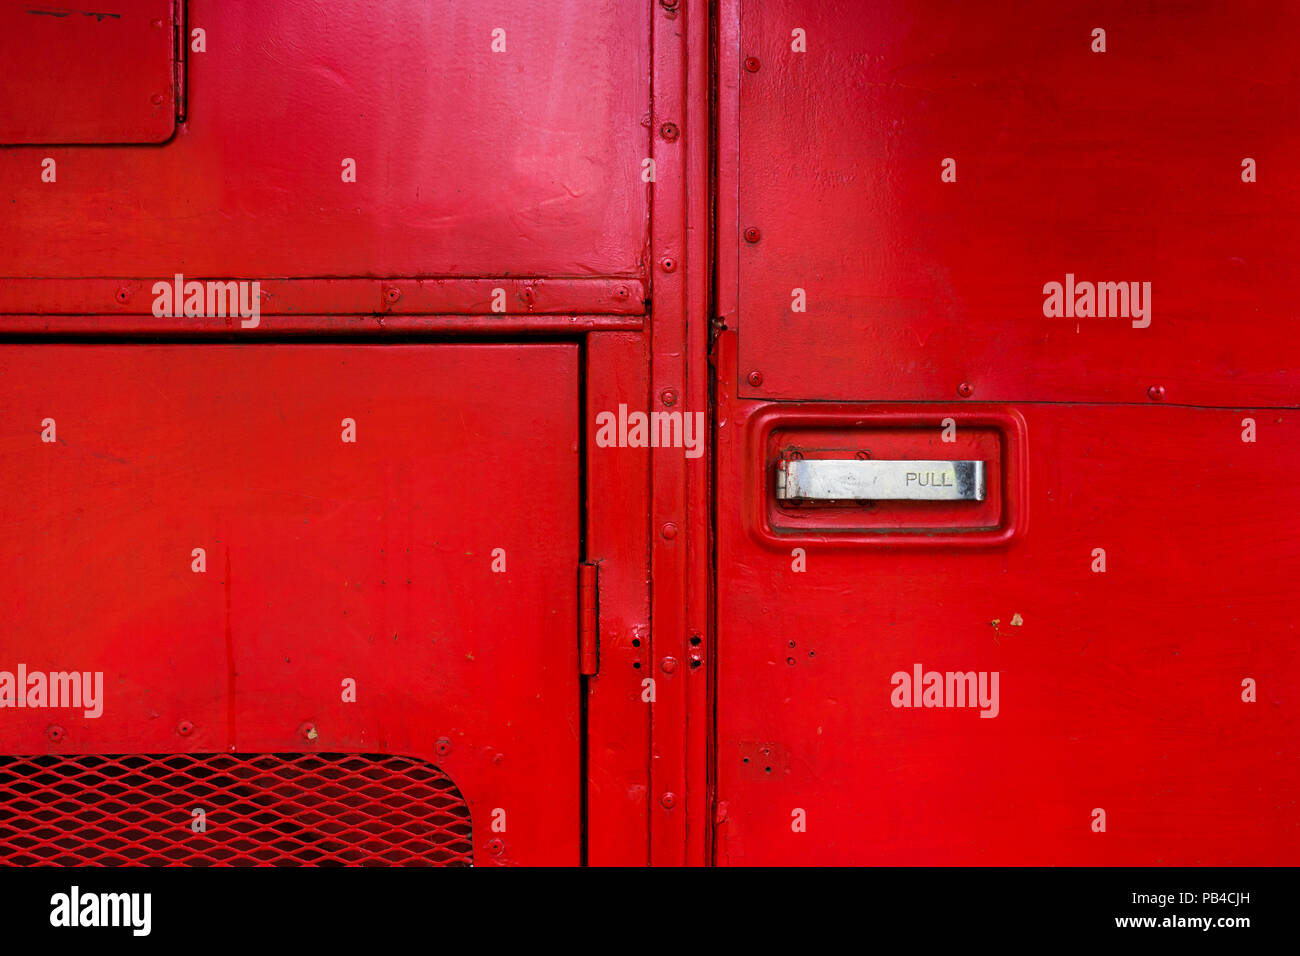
1094	663
304	550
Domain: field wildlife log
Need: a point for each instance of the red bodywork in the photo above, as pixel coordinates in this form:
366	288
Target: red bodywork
629	655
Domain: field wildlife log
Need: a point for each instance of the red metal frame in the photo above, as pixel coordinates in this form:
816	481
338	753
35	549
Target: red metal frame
299	297
617	538
680	552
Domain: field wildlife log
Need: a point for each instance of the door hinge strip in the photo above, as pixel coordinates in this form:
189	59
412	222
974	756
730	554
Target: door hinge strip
180	51
588	620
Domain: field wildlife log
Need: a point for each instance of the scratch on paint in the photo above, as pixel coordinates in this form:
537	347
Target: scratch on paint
99	17
230	665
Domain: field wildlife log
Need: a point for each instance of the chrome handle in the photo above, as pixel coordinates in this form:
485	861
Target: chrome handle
854	479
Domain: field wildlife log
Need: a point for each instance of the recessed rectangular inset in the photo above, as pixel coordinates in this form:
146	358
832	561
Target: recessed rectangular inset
878	475
84	76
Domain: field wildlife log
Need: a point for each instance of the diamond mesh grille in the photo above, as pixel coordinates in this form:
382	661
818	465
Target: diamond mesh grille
261	810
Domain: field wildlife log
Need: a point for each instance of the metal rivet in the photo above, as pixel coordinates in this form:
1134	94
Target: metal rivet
528	295
184	728
670	531
752	234
751	64
668	665
1156	393
621	292
123	294
392	293
965	390
669	800
669	397
495	846
669	132
56	733
668	263
442	747
755	378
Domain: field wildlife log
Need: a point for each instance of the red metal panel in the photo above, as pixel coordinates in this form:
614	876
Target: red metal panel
680	552
432	561
1156	687
1125	166
82	76
617	510
469	162
1119	690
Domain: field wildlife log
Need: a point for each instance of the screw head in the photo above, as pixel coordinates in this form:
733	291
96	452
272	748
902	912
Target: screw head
668	800
185	728
670	531
669	132
668	665
752	234
1156	393
156	99
668	263
56	733
965	390
621	292
755	378
669	397
442	747
496	846
751	64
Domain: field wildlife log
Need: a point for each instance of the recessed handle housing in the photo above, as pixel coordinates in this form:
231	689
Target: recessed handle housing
854	479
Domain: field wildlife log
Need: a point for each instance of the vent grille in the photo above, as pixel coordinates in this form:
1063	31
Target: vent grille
258	810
